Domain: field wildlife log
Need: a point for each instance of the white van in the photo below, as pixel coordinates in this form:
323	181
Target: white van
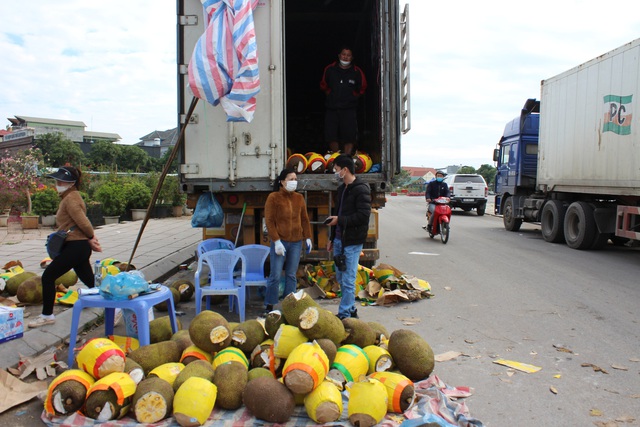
468	191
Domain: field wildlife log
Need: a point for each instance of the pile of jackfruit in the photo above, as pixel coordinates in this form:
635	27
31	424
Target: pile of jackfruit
302	355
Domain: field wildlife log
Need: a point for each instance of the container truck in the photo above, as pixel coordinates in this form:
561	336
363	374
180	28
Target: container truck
571	161
239	161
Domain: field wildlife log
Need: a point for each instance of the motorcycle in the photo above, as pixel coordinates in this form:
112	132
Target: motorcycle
441	219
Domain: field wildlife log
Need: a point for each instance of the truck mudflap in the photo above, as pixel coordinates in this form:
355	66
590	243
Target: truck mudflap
627	222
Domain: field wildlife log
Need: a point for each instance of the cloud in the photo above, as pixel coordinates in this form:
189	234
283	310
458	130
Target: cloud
473	65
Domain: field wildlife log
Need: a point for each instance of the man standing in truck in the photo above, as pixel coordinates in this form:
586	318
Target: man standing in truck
343	83
349	229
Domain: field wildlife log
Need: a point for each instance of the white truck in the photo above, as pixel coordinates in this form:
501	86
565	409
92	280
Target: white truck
571	161
239	161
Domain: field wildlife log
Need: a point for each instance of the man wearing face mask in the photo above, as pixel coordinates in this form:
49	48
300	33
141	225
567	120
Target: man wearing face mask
285	214
76	252
343	83
350	226
436	188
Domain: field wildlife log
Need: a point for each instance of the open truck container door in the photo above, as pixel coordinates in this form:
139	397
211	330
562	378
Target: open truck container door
296	40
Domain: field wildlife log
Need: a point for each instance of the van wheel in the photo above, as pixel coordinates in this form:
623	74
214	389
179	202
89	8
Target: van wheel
580	226
510	223
552	221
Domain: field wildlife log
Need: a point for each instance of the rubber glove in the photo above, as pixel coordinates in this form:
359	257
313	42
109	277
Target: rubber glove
309	245
280	248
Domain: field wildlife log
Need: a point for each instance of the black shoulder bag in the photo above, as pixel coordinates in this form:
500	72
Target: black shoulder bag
56	241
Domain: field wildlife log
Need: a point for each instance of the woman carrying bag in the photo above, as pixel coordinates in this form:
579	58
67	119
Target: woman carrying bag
78	246
288	225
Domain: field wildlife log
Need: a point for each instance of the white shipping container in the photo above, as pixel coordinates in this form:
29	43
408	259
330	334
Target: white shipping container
589	137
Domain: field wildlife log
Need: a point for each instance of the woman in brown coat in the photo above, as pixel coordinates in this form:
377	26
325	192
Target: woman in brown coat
288	225
76	252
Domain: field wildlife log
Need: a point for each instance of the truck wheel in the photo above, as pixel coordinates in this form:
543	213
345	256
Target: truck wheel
580	226
480	210
510	223
552	221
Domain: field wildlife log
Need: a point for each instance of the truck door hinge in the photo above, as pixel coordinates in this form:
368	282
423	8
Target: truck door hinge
188	20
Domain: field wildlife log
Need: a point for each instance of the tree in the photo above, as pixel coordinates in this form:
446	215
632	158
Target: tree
104	153
132	158
20	173
401	179
466	169
65	152
488	172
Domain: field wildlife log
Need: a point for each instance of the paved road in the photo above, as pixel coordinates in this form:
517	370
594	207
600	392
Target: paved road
511	295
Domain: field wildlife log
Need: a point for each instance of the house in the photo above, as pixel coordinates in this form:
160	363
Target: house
419	177
24	129
157	143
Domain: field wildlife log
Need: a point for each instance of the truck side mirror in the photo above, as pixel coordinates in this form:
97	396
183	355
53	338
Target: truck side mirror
496	154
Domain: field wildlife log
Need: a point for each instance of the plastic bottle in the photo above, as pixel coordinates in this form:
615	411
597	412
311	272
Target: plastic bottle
97	272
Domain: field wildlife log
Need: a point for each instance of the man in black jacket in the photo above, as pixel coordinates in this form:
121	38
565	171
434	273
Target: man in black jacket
436	188
349	230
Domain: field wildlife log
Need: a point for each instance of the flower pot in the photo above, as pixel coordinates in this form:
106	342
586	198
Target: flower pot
111	219
138	214
29	222
177	211
48	220
4	218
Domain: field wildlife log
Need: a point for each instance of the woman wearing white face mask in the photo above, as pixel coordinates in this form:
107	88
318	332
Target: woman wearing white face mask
288	225
76	252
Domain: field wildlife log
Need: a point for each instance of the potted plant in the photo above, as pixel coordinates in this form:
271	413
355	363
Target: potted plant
45	203
138	197
112	197
20	173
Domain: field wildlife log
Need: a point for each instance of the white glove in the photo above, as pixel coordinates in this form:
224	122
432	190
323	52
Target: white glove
309	245
280	250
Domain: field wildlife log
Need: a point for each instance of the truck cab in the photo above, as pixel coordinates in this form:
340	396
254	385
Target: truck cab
517	159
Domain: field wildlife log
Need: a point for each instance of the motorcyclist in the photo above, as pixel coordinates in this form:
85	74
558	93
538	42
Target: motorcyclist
436	188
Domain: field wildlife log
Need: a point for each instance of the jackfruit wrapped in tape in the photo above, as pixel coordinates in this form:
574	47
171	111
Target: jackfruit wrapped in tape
193	353
100	357
127	344
230	354
152	401
305	368
324	403
367	402
287	338
167	371
400	390
110	397
194	401
351	364
315	163
379	359
67	392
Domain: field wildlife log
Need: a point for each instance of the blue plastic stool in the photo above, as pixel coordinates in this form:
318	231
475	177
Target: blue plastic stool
139	305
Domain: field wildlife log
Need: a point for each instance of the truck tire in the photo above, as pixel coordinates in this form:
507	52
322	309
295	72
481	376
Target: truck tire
552	221
510	222
480	210
580	226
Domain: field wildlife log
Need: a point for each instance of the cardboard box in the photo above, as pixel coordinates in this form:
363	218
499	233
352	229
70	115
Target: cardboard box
11	323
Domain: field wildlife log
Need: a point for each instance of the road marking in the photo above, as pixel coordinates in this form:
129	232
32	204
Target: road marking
422	253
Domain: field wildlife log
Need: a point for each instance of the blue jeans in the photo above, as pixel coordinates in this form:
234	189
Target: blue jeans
347	278
289	262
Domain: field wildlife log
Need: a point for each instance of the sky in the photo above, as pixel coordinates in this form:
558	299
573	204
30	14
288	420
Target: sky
473	64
